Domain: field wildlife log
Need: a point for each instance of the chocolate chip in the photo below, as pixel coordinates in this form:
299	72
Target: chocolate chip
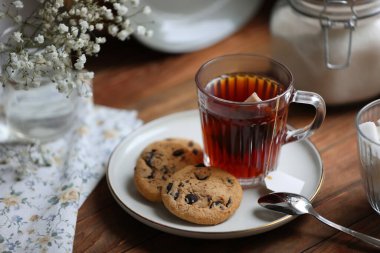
230	181
200	165
176	195
151	176
219	204
195	151
149	157
229	202
165	170
181	185
169	187
190	144
191	198
216	203
201	176
178	152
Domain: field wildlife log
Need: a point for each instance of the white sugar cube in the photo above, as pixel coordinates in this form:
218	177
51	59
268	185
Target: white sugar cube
279	181
370	130
253	98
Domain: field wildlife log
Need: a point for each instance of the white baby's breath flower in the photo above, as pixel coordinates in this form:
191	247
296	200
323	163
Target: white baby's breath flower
99	26
113	30
80	62
74	31
149	33
140	30
59	3
84	24
88	75
18	4
122	35
58	31
118	19
147	10
100	40
72	12
39	39
62	28
121	9
135	2
96	48
83	11
17	36
126	23
107	13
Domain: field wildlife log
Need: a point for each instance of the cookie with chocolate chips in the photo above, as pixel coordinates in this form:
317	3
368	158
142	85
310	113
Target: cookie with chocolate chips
202	195
160	160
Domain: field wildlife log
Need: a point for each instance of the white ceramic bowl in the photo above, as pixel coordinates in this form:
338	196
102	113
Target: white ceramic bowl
184	26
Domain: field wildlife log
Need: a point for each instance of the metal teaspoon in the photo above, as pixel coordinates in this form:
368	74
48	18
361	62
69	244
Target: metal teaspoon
294	204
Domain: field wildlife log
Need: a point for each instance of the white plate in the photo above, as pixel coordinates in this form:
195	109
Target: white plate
184	26
300	159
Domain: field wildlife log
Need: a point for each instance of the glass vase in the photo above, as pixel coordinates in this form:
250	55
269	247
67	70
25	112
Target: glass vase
42	113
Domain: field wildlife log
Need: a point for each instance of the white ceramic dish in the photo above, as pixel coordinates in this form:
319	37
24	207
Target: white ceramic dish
184	26
300	159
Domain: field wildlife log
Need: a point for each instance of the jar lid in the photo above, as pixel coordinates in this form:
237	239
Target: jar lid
337	9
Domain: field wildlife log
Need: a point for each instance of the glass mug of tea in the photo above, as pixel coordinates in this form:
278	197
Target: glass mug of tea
242	137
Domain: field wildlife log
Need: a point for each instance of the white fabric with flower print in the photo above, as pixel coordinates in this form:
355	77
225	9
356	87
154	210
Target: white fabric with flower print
38	212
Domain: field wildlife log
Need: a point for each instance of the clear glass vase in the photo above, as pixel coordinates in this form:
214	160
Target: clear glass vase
42	113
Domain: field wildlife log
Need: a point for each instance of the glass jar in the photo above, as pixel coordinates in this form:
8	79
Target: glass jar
332	47
40	113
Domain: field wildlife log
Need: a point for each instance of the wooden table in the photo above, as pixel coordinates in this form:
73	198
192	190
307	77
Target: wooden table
131	76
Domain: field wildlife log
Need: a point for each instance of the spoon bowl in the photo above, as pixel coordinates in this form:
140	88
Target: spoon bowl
288	203
294	204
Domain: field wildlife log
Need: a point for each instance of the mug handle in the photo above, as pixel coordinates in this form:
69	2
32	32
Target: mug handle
310	98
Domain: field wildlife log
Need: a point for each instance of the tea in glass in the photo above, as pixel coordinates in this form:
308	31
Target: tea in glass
242	137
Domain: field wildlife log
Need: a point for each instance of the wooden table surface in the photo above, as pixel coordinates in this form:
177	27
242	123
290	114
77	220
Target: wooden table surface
131	76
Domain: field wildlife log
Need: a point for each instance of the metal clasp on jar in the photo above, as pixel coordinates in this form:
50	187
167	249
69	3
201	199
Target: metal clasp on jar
328	24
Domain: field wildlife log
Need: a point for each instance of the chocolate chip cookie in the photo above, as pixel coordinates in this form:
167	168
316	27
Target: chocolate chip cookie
202	195
159	160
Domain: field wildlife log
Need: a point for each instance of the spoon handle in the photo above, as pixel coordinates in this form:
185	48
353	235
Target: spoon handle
361	236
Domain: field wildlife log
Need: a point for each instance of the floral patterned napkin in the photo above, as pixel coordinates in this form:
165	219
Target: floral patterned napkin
40	197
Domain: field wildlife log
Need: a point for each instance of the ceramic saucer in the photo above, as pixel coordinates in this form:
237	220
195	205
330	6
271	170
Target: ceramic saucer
299	159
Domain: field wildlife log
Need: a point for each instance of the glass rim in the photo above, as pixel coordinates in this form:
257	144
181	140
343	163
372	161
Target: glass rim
358	116
247	55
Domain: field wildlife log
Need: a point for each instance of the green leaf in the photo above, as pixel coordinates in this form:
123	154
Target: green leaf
54	200
67	186
65	204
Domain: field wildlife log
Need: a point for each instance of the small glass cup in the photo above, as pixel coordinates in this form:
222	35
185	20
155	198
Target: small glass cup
369	153
241	137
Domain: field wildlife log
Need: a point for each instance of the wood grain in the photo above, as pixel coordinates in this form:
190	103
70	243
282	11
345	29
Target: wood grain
131	76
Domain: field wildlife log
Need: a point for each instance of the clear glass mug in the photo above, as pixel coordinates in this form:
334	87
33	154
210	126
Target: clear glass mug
245	138
369	153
